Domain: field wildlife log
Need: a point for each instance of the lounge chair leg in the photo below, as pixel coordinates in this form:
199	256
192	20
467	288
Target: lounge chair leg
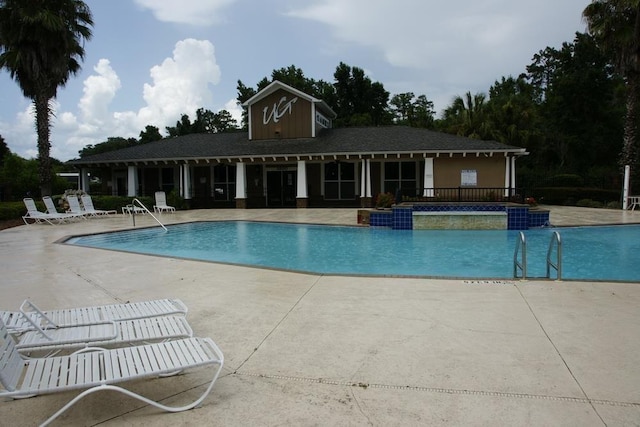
136	396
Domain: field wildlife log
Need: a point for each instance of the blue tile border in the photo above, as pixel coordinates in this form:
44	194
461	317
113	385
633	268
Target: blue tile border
401	217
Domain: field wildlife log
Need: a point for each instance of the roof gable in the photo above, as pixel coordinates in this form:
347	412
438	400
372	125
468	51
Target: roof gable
277	85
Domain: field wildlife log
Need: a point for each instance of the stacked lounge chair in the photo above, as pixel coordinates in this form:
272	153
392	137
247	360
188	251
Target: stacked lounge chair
93	368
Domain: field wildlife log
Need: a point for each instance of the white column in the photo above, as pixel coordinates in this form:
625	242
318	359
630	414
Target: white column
428	177
84	180
625	188
186	182
368	178
302	180
513	173
507	176
132	181
365	178
241	191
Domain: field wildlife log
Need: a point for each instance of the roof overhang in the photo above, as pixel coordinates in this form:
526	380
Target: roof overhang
290	157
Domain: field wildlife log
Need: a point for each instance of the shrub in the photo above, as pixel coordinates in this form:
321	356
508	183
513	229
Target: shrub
12	210
588	203
566	180
385	200
568	196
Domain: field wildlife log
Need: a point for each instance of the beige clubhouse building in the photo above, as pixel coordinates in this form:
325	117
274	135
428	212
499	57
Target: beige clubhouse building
291	156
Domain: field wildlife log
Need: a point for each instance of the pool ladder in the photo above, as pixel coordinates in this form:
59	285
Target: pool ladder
133	213
520	264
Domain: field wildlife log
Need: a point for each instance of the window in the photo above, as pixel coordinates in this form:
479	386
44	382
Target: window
166	177
400	175
224	182
339	181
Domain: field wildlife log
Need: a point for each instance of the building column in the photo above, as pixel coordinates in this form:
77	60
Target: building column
84	180
241	190
132	181
427	190
365	183
302	200
185	182
507	176
513	175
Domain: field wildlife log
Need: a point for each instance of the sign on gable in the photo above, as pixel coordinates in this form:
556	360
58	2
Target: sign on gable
279	109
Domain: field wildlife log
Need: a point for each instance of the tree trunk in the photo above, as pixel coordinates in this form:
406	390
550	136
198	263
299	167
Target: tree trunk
41	104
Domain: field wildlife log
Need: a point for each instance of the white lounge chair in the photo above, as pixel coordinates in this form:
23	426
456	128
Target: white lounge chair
87	203
161	203
101	334
74	206
87	315
34	216
67	216
131	209
98	369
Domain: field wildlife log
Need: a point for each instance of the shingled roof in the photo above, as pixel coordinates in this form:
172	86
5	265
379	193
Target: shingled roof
363	142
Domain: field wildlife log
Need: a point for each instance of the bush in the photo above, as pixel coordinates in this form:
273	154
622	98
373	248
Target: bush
588	203
13	210
174	199
565	180
385	200
568	196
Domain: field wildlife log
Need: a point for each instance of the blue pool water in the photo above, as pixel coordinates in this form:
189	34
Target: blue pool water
589	253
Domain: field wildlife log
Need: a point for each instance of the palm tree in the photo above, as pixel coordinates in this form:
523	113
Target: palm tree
41	43
467	116
615	25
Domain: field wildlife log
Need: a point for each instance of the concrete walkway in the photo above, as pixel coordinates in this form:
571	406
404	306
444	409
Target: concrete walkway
306	349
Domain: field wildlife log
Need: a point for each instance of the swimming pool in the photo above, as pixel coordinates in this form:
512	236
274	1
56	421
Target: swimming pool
589	253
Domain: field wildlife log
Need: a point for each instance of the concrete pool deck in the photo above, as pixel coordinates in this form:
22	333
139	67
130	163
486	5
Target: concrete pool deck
303	349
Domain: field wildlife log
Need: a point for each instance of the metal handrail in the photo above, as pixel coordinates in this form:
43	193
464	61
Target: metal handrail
557	242
133	213
521	243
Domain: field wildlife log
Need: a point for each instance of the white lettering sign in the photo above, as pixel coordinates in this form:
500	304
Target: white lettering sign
279	109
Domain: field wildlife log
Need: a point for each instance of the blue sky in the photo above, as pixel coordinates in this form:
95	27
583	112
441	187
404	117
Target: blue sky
150	61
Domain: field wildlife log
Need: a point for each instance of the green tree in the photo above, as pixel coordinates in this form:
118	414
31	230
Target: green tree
359	101
423	114
615	24
182	127
467	117
111	144
150	134
579	108
18	177
223	121
402	107
4	150
513	111
412	111
41	44
206	122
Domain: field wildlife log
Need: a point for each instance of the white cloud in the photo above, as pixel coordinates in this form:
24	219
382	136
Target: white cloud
455	44
21	134
179	85
99	90
193	12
